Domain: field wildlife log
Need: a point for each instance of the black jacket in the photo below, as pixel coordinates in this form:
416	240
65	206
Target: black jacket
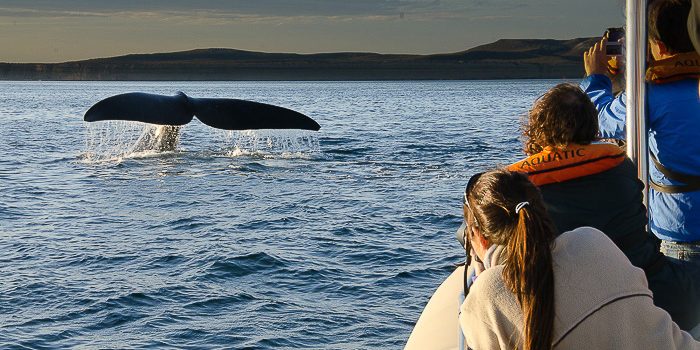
611	201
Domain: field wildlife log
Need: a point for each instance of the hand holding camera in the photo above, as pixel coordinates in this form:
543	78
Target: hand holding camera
605	57
614	49
614	45
594	60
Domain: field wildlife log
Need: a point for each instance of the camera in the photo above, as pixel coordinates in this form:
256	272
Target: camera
614	47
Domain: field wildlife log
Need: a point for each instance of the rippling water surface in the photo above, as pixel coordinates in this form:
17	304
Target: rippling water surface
265	240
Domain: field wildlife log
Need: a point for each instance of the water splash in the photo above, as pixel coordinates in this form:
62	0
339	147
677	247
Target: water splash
114	140
271	143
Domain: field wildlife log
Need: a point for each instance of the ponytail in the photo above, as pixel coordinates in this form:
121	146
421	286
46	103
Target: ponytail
511	213
528	273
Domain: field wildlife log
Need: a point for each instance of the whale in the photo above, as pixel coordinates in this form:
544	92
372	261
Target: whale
178	110
170	113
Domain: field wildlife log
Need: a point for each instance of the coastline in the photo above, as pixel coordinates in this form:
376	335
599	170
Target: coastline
503	59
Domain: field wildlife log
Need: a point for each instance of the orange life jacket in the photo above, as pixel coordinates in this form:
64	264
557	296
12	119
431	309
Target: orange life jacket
677	67
570	162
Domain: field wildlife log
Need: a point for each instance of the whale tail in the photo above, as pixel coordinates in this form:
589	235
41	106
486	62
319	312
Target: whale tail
220	113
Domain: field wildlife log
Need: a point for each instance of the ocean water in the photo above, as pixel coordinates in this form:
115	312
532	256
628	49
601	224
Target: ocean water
244	240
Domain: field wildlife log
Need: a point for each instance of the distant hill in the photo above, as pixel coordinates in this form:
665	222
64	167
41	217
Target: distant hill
503	59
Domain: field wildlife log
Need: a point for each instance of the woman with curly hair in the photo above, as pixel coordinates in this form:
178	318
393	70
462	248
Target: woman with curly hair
585	182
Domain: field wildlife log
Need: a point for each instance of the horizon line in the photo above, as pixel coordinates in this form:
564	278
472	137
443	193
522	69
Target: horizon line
284	53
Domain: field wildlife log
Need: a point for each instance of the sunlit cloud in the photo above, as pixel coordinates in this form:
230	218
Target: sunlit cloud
28	12
262	8
221	18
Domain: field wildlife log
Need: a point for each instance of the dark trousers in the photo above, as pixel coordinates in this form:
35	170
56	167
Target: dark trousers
676	288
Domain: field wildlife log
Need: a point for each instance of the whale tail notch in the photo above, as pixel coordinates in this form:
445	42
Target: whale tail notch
220	113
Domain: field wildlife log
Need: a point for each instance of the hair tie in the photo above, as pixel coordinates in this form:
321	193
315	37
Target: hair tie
520	206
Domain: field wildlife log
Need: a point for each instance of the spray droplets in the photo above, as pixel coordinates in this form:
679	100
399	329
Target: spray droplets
114	141
271	143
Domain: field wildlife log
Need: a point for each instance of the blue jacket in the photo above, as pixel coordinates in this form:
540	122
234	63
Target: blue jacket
673	114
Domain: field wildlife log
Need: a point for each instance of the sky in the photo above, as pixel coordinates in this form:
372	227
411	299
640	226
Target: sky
66	30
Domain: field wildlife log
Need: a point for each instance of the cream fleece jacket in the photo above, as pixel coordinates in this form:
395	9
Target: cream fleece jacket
601	302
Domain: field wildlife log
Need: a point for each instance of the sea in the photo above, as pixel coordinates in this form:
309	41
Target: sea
263	239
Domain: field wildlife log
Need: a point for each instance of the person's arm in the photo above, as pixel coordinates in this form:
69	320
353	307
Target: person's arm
485	339
611	110
598	86
478	332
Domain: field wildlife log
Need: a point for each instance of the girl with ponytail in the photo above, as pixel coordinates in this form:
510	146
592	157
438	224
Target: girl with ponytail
539	291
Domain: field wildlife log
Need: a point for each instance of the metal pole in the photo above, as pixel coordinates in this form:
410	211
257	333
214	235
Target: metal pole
636	44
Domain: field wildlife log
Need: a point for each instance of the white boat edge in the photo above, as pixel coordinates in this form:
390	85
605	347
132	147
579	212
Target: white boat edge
438	325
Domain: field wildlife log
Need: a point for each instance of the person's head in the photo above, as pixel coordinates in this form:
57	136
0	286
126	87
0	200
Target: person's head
563	115
668	27
505	208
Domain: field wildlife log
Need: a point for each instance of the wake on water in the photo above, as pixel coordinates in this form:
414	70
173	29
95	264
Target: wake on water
114	141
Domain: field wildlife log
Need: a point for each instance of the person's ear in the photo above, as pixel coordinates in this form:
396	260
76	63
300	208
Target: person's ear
658	49
663	49
481	240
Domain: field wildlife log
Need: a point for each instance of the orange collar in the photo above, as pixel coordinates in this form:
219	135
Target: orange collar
677	67
569	162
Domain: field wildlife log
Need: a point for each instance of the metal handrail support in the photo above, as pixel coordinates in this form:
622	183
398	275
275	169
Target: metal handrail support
636	55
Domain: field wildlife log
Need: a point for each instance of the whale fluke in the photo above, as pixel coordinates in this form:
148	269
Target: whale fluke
220	113
142	107
233	114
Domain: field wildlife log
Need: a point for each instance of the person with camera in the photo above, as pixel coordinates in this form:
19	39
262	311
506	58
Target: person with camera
544	290
674	123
